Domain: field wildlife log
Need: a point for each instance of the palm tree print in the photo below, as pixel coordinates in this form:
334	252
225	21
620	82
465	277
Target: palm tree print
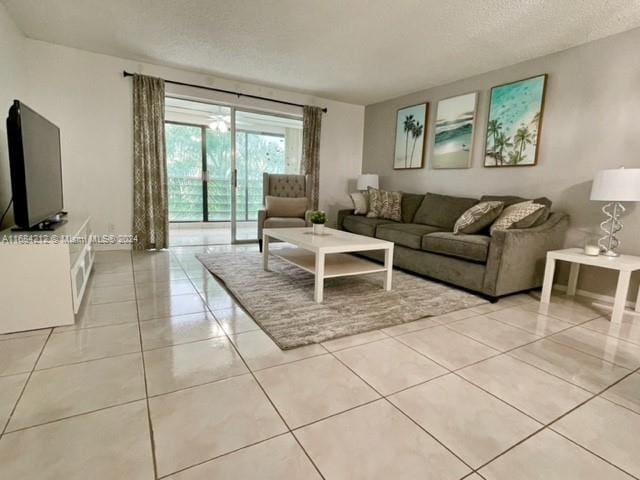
409	125
522	138
416	133
493	130
500	143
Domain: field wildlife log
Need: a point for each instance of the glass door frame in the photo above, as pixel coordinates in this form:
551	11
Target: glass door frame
233	156
234	166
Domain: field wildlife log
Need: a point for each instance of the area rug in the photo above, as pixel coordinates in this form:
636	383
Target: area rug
281	300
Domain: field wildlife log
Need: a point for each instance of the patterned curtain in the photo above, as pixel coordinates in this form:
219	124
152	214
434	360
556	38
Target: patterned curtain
311	126
150	198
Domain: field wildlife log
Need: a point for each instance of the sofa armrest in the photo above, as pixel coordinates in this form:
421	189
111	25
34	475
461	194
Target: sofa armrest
262	216
517	257
342	214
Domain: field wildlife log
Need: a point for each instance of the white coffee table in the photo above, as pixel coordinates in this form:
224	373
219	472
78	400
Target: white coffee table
624	264
326	255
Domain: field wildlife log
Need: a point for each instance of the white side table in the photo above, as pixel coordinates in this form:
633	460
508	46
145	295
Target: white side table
624	264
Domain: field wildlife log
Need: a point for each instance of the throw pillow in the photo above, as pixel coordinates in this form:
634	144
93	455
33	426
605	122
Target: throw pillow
536	218
383	204
513	214
360	202
285	206
478	217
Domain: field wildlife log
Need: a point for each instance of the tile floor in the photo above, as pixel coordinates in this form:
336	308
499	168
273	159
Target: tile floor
164	376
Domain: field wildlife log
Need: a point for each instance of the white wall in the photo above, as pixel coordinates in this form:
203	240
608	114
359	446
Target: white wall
86	95
590	122
12	86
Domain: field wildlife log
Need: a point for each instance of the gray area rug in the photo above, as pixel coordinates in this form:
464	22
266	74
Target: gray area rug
281	300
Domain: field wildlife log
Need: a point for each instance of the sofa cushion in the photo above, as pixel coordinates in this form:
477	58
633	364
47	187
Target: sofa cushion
410	204
384	204
469	247
283	222
442	210
405	234
478	217
285	207
363	225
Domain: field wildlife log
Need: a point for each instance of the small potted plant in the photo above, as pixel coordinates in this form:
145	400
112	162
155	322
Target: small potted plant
318	219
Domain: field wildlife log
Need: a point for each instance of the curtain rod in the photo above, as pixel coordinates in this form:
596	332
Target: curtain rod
230	92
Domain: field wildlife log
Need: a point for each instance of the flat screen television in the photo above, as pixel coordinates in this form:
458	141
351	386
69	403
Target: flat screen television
36	167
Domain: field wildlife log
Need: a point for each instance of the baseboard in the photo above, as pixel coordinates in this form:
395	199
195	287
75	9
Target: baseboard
595	296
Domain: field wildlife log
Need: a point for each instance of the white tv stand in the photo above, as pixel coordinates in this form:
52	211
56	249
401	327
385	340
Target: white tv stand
44	275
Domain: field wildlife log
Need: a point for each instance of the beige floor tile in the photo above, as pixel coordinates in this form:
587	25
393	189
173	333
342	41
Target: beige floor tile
73	389
626	393
109	256
19	355
154	263
163	332
353	340
314	388
180	366
112	294
606	429
10	388
572	365
208	284
376	442
608	348
105	445
548	456
410	326
217	300
102	315
527	388
114	267
235	320
389	366
276	459
472	423
574	313
198	424
487	308
259	351
493	333
26	333
151	276
628	329
159	307
447	347
164	289
455	316
89	344
532	322
111	279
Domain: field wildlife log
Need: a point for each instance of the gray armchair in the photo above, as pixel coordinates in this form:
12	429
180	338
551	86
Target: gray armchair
285	186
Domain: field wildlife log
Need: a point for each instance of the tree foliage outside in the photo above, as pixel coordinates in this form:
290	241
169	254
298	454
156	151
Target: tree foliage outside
255	152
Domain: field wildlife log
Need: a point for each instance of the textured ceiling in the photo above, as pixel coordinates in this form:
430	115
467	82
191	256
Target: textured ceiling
359	51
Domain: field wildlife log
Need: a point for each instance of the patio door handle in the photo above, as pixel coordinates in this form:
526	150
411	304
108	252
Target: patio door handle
234	174
205	176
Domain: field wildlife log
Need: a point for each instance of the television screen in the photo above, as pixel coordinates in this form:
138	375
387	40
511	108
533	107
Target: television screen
36	170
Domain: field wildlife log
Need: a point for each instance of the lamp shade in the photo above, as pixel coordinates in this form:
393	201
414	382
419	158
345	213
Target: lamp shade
617	185
367	180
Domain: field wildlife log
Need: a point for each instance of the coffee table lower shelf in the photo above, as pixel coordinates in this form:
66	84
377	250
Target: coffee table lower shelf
335	265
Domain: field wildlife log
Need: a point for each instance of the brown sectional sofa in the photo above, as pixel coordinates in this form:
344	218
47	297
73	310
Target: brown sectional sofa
507	262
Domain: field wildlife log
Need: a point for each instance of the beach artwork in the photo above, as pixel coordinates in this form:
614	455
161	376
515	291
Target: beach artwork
513	130
410	128
454	132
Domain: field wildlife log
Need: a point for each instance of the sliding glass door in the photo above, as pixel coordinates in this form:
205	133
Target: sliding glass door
216	158
265	143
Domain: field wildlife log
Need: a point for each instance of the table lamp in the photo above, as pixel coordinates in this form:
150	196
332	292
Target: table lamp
614	186
367	180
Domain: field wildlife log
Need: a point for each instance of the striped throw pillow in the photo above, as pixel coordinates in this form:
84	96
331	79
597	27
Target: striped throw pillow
476	218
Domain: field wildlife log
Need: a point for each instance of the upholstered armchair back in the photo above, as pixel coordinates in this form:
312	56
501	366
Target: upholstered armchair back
284	185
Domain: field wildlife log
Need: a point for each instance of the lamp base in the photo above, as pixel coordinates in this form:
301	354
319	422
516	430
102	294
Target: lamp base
610	227
609	253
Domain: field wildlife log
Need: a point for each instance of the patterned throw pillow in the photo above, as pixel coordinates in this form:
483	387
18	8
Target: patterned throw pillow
514	214
479	216
360	202
383	204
